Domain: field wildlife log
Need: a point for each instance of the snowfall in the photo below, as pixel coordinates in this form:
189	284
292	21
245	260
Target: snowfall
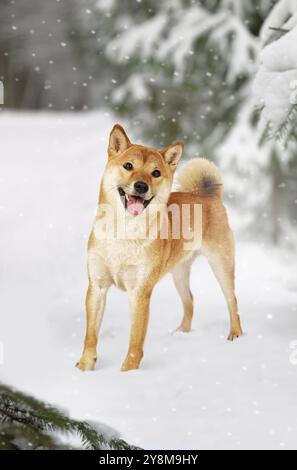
192	391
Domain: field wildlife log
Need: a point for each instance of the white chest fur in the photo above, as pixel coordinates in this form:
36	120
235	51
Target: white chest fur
125	260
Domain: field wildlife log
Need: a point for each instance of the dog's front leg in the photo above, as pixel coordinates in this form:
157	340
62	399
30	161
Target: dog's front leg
139	304
95	304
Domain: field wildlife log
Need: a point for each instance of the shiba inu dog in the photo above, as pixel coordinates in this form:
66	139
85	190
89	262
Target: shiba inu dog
135	194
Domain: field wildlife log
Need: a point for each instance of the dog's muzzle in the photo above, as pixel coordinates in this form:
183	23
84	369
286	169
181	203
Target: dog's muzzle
134	203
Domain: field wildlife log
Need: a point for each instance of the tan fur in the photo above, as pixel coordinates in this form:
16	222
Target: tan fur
193	173
136	265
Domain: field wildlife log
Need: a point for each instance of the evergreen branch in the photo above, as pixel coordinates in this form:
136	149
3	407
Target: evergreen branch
29	413
287	127
280	30
285	131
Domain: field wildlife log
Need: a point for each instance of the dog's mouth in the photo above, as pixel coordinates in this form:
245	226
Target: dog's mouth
134	204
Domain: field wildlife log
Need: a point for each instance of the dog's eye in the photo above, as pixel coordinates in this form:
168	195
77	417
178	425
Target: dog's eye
128	166
156	173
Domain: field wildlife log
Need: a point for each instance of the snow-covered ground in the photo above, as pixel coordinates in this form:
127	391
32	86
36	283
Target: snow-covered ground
193	391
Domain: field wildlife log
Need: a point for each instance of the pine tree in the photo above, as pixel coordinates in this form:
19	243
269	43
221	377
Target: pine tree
181	67
275	91
276	80
27	423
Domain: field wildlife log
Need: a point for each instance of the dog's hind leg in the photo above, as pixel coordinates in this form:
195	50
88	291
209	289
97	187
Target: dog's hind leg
221	260
181	278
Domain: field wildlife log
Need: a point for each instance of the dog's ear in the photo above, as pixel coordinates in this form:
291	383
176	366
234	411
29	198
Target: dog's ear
173	153
118	141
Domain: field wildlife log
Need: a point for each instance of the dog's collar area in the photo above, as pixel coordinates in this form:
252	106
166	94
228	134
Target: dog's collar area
134	203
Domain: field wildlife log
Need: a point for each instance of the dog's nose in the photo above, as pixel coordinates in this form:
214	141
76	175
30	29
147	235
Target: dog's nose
141	187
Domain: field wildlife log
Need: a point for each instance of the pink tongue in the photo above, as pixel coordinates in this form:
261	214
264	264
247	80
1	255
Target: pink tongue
134	205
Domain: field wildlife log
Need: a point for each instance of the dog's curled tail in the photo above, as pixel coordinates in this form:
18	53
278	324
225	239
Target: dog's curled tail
200	176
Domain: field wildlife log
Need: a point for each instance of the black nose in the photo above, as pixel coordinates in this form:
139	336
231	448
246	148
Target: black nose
141	187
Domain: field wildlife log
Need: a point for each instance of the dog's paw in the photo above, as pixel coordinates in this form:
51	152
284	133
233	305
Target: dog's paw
183	329
234	334
126	367
86	365
130	363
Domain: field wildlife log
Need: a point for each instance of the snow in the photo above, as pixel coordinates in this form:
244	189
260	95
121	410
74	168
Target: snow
143	36
135	87
193	391
278	18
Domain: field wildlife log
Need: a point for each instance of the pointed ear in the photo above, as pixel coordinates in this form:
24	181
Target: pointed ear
118	141
173	153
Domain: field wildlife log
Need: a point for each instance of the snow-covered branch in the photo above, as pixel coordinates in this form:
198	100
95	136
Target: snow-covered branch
275	86
172	34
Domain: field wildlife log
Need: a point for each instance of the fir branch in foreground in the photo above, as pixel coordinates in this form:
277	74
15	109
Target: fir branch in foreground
24	419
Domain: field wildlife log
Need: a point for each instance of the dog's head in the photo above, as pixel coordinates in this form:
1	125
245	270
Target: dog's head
138	175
